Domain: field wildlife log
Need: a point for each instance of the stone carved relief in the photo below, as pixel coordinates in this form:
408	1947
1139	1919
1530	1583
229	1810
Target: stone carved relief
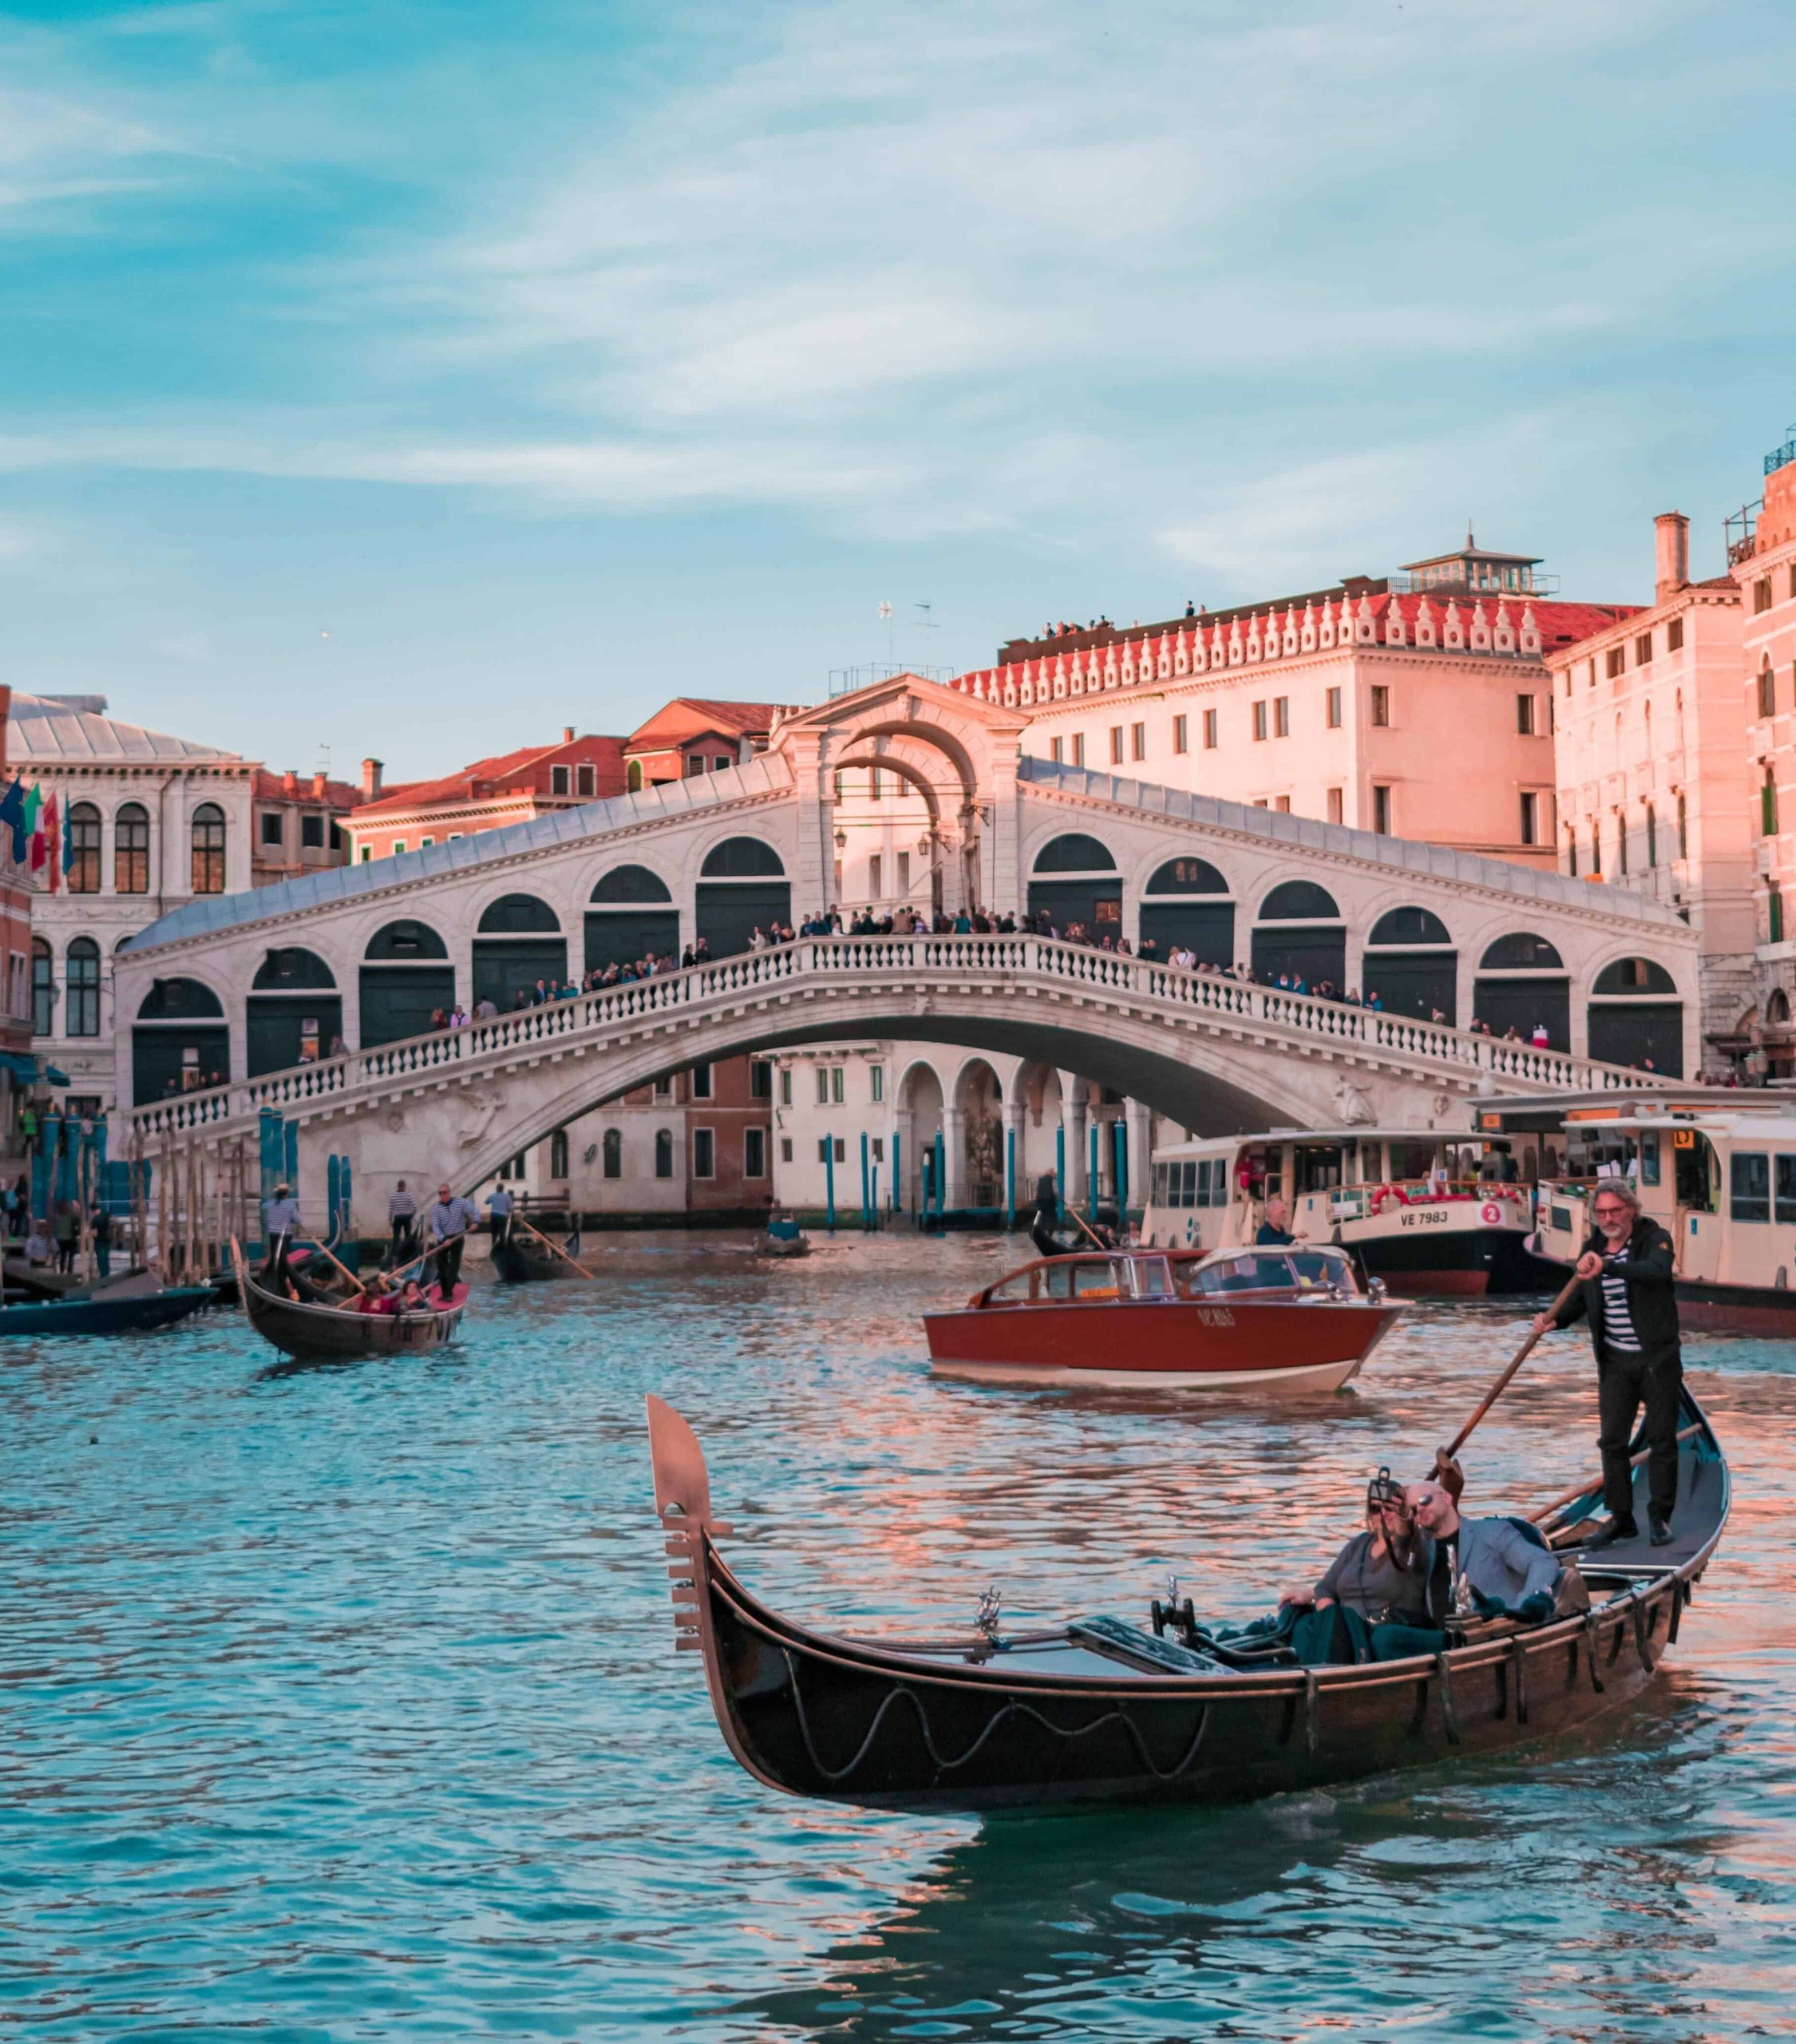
1352	1105
479	1105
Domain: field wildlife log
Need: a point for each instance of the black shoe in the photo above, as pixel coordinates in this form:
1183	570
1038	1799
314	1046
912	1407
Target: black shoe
1617	1529
1659	1529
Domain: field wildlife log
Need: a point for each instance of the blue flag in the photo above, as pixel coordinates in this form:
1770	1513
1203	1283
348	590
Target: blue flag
12	814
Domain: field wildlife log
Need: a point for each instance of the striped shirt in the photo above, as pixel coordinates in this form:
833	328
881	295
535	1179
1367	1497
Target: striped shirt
1618	1331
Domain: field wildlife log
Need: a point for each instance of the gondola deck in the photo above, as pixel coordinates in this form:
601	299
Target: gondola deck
1099	1710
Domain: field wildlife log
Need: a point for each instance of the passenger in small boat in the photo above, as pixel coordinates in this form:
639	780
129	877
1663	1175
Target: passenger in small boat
1481	1567
376	1297
1380	1578
412	1299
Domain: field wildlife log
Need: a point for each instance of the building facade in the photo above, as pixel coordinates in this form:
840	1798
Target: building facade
1414	705
1652	744
512	787
696	734
19	1071
149	821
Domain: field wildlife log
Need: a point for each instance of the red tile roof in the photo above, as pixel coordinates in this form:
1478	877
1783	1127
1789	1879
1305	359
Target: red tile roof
335	795
694	716
505	773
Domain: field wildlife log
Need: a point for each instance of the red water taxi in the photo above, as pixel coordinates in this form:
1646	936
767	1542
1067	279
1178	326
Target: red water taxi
1284	1319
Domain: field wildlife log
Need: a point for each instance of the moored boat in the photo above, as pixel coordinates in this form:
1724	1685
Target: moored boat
1102	1709
1432	1214
300	1328
128	1308
521	1258
1279	1319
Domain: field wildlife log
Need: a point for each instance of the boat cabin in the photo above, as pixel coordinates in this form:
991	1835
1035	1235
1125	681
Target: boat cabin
1173	1277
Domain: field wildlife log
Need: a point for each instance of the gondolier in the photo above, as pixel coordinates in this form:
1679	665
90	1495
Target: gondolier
402	1214
447	1225
280	1223
499	1203
1627	1295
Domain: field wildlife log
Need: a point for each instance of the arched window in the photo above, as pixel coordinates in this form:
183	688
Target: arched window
613	1149
130	850
663	1153
1777	1008
1298	901
1410	962
83	1010
84	849
1522	952
1409	926
633	777
1651	837
742	887
558	1154
1186	876
626	886
1634	976
518	915
43	989
1684	831
1075	853
742	858
1522	985
208	849
1572	850
1621	844
1767	691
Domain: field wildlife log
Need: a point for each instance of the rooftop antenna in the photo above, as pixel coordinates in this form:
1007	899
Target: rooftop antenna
324	761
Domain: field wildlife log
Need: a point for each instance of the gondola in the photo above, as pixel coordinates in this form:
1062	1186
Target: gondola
307	1330
101	1311
521	1258
1100	1709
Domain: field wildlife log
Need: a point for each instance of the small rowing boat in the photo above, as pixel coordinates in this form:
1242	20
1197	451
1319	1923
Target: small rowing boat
1100	1709
519	1259
1280	1319
302	1327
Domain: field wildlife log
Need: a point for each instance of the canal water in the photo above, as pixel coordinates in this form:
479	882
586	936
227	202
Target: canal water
342	1703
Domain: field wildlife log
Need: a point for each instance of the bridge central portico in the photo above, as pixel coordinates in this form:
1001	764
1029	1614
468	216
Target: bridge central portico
251	990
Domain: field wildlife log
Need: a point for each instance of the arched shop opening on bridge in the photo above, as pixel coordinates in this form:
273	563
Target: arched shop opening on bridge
1075	884
519	942
179	1041
1299	934
1187	906
1411	964
631	916
1522	984
1631	1020
742	888
295	1012
405	976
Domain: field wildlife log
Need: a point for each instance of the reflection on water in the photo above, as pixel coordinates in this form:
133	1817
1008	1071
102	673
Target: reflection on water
343	1703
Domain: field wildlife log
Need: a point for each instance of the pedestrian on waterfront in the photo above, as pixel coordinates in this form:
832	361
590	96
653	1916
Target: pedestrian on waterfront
499	1203
100	1228
68	1231
280	1222
1627	1294
447	1225
18	1218
39	1251
401	1218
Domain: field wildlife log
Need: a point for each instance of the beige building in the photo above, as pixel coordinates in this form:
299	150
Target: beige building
1415	705
1651	745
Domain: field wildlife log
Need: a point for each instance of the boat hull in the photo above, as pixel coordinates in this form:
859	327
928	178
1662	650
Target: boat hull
1462	1263
134	1314
1219	1345
314	1332
513	1263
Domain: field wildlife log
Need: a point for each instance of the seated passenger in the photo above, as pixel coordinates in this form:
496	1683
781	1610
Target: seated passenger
1380	1578
1482	1567
412	1299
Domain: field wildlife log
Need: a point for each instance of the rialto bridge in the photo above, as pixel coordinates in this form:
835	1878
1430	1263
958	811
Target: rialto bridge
240	988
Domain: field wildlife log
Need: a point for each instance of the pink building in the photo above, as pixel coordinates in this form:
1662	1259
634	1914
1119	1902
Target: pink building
1415	704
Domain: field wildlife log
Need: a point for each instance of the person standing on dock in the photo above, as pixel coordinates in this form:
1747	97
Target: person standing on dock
447	1225
1629	1297
402	1214
280	1222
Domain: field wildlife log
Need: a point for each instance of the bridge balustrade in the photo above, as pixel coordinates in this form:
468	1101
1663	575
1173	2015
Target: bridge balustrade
858	961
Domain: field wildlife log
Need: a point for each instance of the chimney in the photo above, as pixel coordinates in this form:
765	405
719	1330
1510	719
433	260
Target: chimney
290	783
319	783
567	734
371	778
1671	531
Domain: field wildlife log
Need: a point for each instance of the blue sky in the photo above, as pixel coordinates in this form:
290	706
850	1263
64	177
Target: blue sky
417	379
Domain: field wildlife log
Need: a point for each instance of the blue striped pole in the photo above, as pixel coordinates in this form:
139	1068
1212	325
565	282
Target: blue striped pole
1122	1171
941	1176
897	1173
1091	1190
1010	1178
829	1180
866	1188
1059	1167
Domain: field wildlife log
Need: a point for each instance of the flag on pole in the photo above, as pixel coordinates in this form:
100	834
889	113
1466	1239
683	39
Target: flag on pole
12	816
34	825
52	842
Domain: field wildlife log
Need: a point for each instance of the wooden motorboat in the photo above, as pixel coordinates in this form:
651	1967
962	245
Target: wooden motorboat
520	1257
768	1244
1291	1319
1102	1709
298	1328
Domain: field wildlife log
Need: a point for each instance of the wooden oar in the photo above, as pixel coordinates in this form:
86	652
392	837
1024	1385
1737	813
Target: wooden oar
425	1255
1446	1466
518	1220
1578	1490
324	1249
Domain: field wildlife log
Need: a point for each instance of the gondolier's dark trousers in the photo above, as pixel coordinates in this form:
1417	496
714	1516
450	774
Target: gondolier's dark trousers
448	1267
1624	1383
405	1242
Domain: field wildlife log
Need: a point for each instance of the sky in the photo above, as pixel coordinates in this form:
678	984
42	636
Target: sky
414	379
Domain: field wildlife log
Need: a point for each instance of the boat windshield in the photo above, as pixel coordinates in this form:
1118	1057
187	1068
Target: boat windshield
1257	1270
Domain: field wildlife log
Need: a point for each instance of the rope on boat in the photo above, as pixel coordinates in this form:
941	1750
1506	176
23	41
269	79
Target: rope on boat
1518	1660
1680	1596
1012	1708
1642	1635
1312	1712
1450	1717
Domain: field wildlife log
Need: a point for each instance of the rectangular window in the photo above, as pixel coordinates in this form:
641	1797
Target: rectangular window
1137	741
1643	650
1335	805
272	833
719	760
877	1147
312	833
876	877
701	1082
823	1143
1381	811
1768	805
759	1079
1749	1185
754	1153
1282	805
1773	905
1281	716
586	782
1078	748
876	786
558	780
1116	745
1209	730
904	870
1525	715
875	1081
424	844
785	1149
1258	721
1530	810
836	1087
785	1086
1761	594
1786	1212
1767	691
364	853
1333	701
1651	837
1381	706
695	766
1674	635
1055	748
704	1153
823	1085
1179	727
1613	660
398	846
664	1086
1595	847
841	1150
1649	1159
